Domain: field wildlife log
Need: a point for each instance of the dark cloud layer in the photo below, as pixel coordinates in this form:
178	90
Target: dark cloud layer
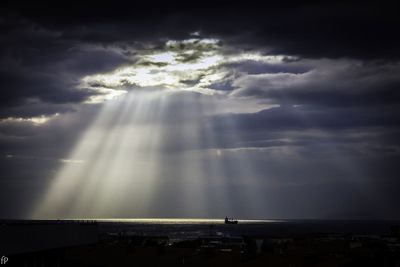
334	101
42	44
314	29
39	67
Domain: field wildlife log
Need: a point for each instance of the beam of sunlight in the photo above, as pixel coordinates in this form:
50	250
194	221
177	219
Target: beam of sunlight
116	152
149	154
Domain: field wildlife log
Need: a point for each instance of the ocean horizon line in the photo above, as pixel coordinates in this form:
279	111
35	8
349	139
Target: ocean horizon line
189	220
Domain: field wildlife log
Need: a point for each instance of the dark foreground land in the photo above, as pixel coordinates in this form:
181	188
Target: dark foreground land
284	243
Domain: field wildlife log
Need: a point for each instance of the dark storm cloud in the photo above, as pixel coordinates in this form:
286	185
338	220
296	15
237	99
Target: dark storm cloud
38	67
353	131
254	67
338	83
292	118
329	29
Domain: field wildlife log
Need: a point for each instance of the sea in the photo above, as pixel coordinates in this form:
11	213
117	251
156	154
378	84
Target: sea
193	227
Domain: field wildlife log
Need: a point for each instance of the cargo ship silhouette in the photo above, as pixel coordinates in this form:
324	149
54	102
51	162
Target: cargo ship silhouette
230	221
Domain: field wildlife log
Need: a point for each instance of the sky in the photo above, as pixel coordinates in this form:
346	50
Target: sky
201	110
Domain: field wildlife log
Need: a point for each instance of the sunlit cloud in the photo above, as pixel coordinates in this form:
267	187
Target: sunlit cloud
73	161
38	120
104	94
188	65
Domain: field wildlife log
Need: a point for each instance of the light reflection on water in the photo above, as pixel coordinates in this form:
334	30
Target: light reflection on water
174	220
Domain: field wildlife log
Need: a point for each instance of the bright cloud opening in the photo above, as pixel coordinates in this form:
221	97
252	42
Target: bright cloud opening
189	65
